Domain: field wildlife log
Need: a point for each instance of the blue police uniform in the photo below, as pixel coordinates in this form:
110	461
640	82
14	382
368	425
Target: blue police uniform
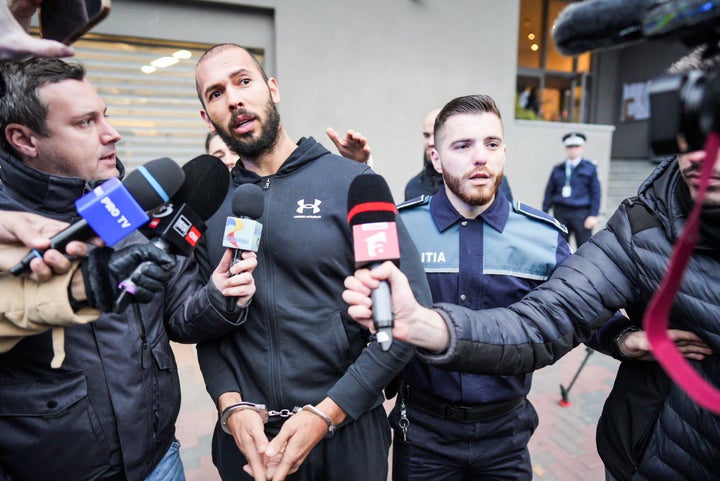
573	192
468	423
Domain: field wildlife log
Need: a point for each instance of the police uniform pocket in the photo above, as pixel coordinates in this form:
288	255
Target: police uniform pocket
50	429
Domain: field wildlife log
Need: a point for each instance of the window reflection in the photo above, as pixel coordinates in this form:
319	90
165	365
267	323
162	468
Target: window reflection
550	86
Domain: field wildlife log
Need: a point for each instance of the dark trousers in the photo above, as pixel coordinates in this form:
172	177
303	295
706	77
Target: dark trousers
574	220
442	450
357	452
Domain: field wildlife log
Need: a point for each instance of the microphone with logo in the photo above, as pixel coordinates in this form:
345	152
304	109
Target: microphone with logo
242	232
114	209
372	217
177	226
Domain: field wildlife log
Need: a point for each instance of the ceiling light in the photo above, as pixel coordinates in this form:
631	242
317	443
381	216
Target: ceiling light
163	62
183	54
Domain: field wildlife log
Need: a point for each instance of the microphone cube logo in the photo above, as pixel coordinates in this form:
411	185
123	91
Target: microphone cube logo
111	211
243	234
376	242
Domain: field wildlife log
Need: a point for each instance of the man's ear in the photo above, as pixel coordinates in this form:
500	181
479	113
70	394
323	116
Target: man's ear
435	157
274	90
22	139
206	118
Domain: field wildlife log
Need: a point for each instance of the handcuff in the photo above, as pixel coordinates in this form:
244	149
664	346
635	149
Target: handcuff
265	415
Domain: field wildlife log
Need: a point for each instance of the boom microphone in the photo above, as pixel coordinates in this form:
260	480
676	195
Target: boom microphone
372	216
597	24
178	226
114	209
242	232
603	24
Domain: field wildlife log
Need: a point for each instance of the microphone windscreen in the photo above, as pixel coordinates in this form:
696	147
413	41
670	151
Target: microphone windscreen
248	201
206	183
595	24
370	200
153	183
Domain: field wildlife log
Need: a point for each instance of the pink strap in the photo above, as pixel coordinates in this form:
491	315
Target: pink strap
656	317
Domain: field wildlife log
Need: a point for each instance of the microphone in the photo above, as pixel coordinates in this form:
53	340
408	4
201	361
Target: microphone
242	232
372	216
179	224
597	24
114	209
603	24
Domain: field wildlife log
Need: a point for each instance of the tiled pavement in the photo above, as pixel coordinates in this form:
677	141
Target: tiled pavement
562	448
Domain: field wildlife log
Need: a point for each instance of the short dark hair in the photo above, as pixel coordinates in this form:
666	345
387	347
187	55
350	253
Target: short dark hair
218	48
20	102
469	104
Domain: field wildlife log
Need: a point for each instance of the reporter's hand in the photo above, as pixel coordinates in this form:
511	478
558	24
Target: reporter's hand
413	323
353	146
146	265
635	345
15	43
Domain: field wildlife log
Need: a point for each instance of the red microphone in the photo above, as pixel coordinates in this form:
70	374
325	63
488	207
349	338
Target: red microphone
372	216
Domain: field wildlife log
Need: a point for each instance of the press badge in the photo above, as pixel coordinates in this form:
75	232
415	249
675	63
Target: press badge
566	191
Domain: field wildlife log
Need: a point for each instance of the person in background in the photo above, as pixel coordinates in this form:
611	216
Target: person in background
297	348
214	145
573	190
111	386
428	181
479	251
15	42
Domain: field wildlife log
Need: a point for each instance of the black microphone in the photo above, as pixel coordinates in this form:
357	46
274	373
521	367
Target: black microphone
603	24
114	209
179	225
372	217
598	24
242	232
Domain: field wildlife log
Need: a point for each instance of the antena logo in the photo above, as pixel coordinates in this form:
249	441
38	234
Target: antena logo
302	206
376	244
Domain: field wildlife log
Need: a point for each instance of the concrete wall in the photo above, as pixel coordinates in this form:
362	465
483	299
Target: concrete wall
374	66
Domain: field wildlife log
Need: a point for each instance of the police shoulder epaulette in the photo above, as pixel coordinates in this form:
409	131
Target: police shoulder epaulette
420	200
534	213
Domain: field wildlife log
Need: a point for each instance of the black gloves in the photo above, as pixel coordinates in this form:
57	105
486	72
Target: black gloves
147	266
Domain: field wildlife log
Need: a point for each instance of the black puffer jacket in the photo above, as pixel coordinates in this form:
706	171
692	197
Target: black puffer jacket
621	266
112	405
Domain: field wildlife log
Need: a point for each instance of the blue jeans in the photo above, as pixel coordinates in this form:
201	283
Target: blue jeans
170	467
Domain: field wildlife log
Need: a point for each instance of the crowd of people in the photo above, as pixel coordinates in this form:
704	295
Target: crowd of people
285	336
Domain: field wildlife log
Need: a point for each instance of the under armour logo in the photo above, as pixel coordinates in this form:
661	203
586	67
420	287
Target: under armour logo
302	206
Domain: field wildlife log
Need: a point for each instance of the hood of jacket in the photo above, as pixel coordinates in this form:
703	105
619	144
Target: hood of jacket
49	194
660	193
308	149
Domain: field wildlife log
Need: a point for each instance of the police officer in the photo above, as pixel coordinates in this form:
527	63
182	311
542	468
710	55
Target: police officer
478	250
573	190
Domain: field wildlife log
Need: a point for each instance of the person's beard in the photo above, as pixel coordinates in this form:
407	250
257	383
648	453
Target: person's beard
474	197
244	145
